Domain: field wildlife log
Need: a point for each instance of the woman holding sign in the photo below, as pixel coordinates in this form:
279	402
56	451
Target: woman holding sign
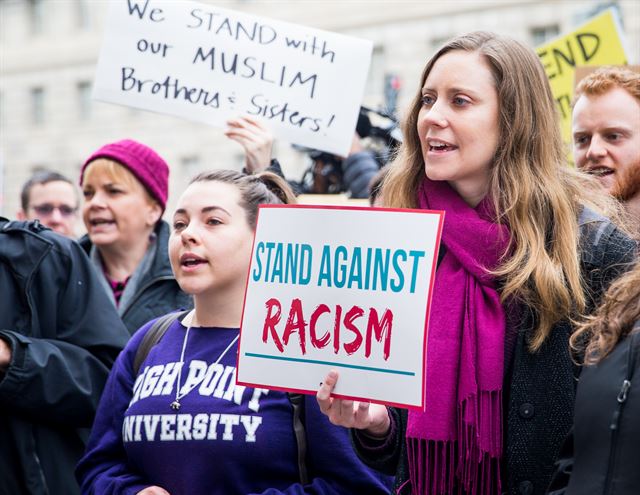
172	419
524	253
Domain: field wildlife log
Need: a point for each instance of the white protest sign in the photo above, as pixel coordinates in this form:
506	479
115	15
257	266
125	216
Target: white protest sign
209	64
343	288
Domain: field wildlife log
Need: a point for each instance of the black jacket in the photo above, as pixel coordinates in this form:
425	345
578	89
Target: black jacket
158	293
539	389
358	170
601	455
65	336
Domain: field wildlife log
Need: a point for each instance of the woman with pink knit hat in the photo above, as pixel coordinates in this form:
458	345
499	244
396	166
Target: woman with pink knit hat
125	187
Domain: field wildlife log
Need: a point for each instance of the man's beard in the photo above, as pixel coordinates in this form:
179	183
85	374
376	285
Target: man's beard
627	184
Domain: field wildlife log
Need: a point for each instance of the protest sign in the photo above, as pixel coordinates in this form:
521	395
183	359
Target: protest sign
345	288
209	64
597	42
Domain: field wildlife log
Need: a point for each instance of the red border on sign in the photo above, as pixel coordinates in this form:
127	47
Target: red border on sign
441	215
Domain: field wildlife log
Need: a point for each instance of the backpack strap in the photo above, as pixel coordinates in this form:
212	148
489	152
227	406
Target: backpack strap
297	401
153	336
157	331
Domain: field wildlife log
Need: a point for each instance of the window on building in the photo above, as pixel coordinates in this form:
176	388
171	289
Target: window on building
583	15
436	43
190	166
37	105
83	14
84	100
542	34
375	82
36	16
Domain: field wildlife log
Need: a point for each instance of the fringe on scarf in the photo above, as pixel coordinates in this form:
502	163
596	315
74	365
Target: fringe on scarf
470	465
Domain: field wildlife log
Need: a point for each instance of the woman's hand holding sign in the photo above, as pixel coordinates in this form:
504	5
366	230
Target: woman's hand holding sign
255	138
373	418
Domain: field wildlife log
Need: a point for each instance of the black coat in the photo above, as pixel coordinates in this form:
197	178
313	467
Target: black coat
539	388
357	171
157	293
601	455
64	335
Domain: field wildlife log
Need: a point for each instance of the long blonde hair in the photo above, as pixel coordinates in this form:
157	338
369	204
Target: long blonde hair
534	193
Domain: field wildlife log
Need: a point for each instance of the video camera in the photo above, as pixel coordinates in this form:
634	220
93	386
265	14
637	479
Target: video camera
390	133
324	175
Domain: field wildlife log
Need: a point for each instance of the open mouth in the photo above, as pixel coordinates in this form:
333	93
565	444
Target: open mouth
600	171
191	260
100	221
440	146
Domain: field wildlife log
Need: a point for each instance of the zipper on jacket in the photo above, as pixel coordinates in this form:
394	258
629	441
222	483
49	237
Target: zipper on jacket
615	422
43	479
36	457
621	399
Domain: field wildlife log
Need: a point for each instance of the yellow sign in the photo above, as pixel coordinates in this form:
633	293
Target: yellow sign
597	42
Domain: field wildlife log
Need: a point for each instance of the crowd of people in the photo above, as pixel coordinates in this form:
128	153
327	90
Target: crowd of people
117	351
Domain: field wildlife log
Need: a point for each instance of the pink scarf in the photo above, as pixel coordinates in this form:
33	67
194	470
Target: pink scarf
456	444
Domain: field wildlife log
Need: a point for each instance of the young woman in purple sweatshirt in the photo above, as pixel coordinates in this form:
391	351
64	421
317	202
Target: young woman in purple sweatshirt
181	425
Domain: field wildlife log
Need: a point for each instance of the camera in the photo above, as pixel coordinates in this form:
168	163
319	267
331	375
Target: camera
381	137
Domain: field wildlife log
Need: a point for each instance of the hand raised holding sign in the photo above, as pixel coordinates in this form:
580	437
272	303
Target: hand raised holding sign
373	418
255	138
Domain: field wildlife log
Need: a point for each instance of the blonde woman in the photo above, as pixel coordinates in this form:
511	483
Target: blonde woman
524	253
125	186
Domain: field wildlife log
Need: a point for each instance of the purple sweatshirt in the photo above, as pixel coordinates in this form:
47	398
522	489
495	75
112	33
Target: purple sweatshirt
225	439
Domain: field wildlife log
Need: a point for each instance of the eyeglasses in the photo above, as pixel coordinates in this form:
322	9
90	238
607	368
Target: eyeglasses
46	209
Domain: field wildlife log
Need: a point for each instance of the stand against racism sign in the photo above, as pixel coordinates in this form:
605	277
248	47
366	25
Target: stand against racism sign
210	64
597	42
345	288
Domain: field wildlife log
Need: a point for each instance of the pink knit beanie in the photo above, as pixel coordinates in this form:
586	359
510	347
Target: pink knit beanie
148	167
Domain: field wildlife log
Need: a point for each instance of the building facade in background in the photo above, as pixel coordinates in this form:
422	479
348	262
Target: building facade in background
49	50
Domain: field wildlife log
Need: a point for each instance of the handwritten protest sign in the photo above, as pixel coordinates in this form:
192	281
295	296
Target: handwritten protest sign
210	64
597	42
328	290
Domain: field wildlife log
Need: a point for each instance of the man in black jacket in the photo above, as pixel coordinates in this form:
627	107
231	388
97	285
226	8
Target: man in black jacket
59	336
